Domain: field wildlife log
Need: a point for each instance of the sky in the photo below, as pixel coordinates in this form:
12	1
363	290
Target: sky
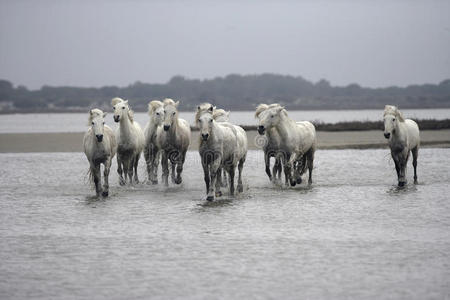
96	43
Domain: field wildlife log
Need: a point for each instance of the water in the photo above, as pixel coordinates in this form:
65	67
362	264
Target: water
353	234
77	122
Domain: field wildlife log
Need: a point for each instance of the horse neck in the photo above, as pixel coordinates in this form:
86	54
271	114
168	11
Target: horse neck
174	128
285	128
400	132
125	126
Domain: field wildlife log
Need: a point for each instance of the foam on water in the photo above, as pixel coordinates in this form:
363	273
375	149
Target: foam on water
352	234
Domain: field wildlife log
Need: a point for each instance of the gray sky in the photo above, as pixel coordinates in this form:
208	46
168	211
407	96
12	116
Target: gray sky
95	43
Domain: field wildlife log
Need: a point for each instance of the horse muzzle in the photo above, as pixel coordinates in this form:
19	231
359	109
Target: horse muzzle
387	135
205	136
166	127
261	130
99	137
116	119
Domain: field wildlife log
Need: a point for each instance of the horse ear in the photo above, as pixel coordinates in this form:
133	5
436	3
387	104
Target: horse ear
279	109
211	108
90	112
198	108
177	103
126	101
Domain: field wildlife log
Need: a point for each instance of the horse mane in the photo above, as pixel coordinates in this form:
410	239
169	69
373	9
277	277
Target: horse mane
204	107
130	114
153	105
169	101
94	113
116	100
260	108
220	113
393	110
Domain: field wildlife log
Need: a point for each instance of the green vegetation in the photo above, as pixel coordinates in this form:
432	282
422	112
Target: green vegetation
234	92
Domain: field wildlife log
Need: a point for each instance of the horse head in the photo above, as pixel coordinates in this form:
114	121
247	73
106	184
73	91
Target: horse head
270	117
202	108
391	118
170	113
156	111
206	123
121	109
96	121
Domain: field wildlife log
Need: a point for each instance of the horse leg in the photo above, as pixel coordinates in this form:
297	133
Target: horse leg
106	175
119	169
267	163
402	168
136	162
287	168
278	167
292	160
180	163
415	153
310	162
165	168
97	179
215	166
240	187
172	175
206	175
219	182
231	170
155	165
130	166
224	178
148	162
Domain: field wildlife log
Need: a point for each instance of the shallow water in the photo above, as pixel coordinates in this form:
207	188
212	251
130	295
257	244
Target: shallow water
353	234
77	122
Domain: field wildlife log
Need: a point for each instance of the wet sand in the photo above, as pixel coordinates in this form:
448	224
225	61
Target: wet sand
72	142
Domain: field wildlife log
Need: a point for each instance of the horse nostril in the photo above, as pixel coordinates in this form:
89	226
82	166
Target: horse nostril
261	129
205	136
166	127
99	137
387	135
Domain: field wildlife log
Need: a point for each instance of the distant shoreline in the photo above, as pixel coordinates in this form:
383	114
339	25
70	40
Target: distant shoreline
85	109
72	142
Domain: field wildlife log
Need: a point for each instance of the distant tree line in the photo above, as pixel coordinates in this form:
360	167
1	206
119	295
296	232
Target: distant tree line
235	92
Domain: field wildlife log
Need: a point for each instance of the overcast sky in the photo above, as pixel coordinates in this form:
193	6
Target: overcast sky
96	43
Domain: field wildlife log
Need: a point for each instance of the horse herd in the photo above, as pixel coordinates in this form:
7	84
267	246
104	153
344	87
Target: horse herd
222	146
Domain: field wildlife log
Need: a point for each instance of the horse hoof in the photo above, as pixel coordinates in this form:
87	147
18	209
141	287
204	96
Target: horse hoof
401	183
178	180
122	183
219	194
105	194
293	183
240	188
154	181
299	180
210	198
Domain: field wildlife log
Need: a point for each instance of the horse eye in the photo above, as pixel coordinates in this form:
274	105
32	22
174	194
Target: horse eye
114	107
103	123
173	114
92	123
123	107
393	120
210	121
157	113
271	116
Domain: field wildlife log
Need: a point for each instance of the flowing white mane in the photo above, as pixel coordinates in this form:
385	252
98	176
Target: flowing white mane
393	110
262	107
153	105
169	101
220	113
93	113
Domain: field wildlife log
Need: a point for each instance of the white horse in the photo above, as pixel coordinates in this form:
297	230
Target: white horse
173	138
222	145
403	138
219	115
99	145
151	150
271	146
130	141
298	142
